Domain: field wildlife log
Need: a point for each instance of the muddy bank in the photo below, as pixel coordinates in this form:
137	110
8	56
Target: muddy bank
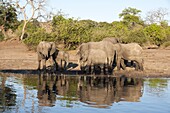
16	58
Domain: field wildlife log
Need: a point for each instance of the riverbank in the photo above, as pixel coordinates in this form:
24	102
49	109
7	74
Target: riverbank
16	57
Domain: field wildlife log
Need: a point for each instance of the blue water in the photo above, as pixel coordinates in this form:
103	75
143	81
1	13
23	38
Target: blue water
83	94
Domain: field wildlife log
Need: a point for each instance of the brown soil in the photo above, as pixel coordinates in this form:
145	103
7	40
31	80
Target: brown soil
14	55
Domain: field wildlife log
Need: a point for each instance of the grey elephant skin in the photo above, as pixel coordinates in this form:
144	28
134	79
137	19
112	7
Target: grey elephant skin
63	57
112	40
106	46
132	52
129	52
96	58
45	50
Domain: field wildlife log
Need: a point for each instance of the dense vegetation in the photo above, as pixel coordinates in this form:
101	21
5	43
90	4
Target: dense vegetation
72	32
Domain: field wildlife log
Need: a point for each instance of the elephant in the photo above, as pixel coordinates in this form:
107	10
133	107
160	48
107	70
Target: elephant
132	52
109	48
112	40
95	58
63	56
45	50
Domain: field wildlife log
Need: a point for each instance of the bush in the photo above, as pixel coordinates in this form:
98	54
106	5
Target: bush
165	44
1	36
155	33
136	36
34	38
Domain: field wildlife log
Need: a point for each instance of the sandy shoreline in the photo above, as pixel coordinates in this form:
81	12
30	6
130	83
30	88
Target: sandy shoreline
16	57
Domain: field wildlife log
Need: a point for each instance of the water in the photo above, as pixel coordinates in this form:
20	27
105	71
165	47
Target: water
83	94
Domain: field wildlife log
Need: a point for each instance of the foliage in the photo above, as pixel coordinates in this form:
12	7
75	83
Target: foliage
167	31
72	32
129	11
166	44
136	36
155	33
37	36
69	31
8	16
120	30
31	28
129	15
34	33
1	36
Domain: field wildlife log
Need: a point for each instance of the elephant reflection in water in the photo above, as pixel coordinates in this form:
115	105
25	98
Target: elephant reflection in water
96	91
103	91
47	90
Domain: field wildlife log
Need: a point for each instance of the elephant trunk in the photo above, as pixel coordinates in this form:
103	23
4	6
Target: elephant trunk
46	55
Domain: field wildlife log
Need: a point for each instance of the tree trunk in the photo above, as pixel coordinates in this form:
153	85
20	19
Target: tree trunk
23	30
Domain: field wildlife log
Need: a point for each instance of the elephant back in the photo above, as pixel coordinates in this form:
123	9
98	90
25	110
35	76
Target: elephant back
112	40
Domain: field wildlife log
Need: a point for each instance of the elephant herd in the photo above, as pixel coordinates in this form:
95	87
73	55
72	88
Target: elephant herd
94	57
107	54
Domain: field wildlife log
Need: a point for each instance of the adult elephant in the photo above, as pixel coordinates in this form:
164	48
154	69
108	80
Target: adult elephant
132	52
95	58
128	52
45	50
111	51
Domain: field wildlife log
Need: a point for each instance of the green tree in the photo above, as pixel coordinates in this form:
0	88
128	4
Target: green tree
130	15
137	36
155	33
68	31
120	30
8	17
36	10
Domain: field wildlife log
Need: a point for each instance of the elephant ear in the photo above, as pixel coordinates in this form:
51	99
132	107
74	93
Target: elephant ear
39	48
53	48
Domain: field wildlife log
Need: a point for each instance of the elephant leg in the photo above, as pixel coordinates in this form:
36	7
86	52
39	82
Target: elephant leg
123	64
141	64
65	65
136	65
39	61
61	65
92	69
55	63
89	69
106	69
141	67
44	64
131	63
39	64
82	68
118	63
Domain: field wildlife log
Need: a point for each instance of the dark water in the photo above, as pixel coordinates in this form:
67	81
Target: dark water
83	94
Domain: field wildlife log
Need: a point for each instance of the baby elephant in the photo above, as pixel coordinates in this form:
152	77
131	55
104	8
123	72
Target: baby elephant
63	58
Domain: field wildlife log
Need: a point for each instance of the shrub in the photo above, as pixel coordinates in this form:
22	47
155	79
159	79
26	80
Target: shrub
1	36
34	38
155	33
165	44
136	36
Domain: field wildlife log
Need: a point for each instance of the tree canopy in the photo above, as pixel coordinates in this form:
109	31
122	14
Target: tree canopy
8	16
72	32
